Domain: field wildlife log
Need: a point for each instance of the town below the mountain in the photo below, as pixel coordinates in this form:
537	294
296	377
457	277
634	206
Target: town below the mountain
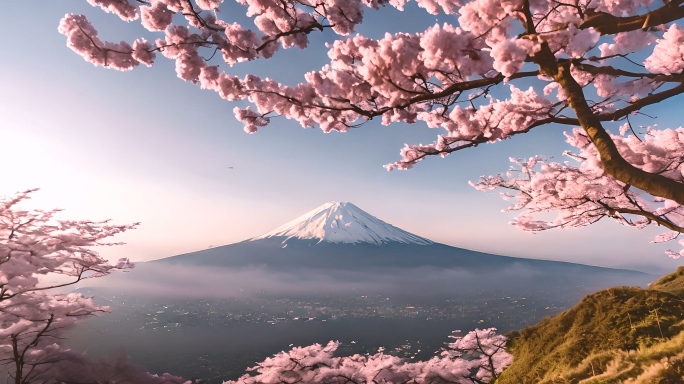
511	312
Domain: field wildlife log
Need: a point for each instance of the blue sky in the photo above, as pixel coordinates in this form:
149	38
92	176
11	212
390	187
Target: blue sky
145	146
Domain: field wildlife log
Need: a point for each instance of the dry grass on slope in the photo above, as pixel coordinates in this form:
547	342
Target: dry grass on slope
618	335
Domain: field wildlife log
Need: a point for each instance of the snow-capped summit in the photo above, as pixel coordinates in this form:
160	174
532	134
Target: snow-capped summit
342	223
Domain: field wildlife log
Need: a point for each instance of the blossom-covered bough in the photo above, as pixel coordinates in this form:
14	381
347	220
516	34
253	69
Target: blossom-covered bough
34	244
478	357
588	64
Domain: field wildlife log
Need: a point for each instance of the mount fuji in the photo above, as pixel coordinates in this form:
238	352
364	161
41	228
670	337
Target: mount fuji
342	223
341	236
340	250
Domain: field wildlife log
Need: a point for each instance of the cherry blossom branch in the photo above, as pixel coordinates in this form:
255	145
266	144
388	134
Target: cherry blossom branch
79	277
199	19
585	194
611	71
613	163
662	221
641	103
608	24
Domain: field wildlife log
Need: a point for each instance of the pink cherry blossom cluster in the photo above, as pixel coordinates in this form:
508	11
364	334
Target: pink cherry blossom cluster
450	76
400	78
33	244
478	357
583	194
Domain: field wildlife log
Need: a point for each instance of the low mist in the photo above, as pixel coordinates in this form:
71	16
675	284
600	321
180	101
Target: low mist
183	281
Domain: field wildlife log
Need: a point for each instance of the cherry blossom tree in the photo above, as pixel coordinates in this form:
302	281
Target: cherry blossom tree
587	64
34	244
478	357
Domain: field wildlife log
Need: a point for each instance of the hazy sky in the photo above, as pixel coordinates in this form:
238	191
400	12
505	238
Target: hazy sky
145	146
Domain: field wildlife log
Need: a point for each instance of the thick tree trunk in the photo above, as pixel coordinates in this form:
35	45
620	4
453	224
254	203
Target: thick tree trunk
18	362
613	163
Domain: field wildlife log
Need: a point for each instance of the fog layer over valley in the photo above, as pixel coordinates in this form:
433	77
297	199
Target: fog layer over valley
422	281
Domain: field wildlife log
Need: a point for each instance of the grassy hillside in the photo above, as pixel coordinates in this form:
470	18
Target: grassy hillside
673	283
618	335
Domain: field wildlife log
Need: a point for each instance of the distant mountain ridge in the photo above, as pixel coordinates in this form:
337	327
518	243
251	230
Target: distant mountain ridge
340	235
342	222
